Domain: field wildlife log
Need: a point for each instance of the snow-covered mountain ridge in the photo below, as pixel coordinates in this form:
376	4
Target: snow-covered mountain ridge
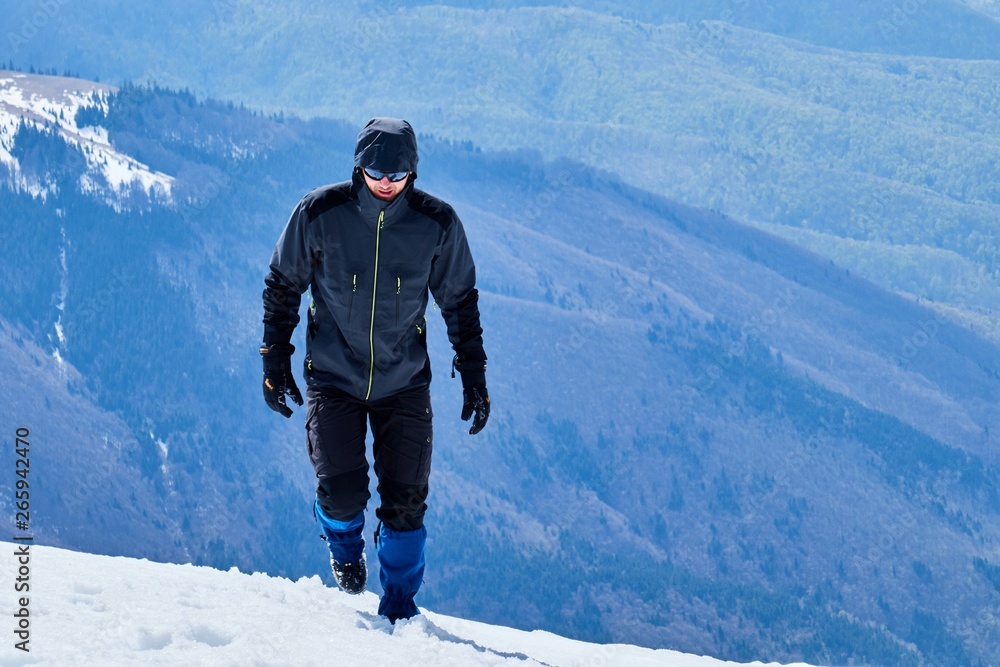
649	478
98	610
48	102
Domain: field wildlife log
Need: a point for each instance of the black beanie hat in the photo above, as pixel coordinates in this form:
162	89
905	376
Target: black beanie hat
387	144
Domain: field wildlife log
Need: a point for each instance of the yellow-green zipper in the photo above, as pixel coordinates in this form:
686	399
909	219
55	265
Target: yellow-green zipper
371	330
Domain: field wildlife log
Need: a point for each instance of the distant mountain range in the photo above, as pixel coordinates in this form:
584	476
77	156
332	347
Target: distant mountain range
965	29
704	437
866	130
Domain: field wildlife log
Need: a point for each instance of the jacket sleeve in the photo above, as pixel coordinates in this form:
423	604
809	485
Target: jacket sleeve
290	275
453	285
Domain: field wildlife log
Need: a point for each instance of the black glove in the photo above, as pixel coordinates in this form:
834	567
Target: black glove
475	398
278	379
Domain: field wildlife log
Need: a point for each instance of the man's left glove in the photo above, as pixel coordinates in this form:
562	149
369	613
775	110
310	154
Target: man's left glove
278	379
475	398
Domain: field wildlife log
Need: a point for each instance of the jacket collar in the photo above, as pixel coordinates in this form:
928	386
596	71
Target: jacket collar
371	206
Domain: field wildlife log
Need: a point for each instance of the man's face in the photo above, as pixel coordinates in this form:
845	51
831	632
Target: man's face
385	189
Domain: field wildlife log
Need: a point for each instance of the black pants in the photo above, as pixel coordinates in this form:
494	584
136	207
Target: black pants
336	426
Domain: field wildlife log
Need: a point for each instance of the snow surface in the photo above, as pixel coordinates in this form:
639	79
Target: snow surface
51	101
99	610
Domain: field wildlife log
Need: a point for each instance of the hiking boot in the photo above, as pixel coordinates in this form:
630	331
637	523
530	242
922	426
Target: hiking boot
351	577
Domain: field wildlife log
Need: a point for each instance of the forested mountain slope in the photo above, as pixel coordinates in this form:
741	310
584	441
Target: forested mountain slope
703	438
873	122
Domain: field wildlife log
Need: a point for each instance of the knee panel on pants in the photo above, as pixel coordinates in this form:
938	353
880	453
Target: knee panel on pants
403	505
343	497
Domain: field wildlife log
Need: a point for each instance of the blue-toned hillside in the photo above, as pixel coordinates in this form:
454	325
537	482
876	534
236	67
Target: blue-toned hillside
866	130
704	437
963	29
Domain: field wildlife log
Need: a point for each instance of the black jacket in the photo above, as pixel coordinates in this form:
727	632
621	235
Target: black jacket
369	265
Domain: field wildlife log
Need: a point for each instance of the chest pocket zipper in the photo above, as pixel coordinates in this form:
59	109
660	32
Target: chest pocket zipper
399	288
313	326
350	300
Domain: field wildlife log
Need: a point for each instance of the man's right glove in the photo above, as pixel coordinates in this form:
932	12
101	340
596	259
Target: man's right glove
278	379
475	398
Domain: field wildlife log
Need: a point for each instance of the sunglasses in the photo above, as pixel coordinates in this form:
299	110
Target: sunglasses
393	176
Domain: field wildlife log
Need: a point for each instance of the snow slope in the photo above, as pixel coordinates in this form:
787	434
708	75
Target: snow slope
98	610
52	101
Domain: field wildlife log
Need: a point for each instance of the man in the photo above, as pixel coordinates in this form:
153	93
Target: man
369	249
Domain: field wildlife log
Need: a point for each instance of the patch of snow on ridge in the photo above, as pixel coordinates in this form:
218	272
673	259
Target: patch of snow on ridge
52	102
